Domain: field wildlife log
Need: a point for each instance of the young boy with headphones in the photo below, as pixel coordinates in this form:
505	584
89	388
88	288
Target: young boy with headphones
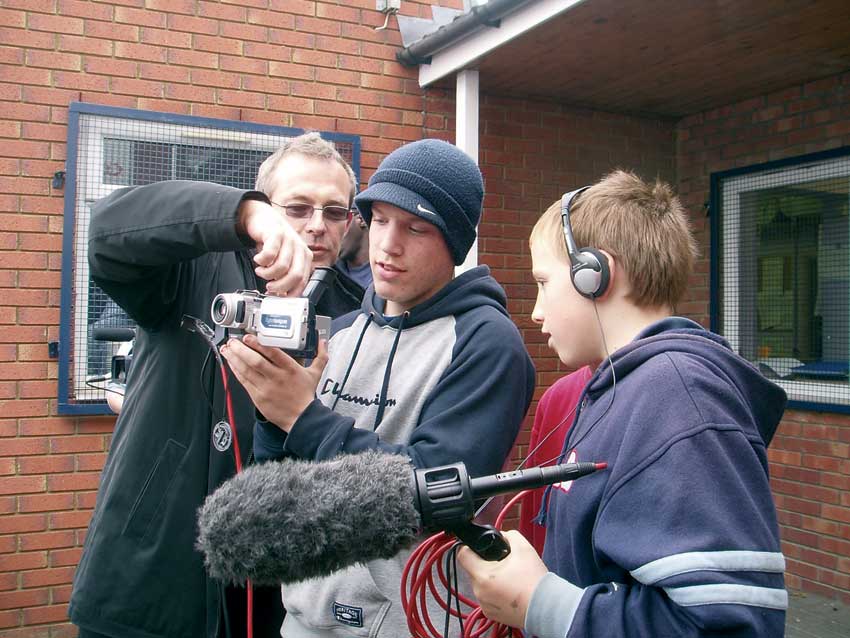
678	536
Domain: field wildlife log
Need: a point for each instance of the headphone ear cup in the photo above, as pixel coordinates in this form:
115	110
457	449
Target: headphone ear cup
592	276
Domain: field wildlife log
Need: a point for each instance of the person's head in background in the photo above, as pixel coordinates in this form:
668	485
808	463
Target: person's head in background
643	238
354	251
422	207
313	186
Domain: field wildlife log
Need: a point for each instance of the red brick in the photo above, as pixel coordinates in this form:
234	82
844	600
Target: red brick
207	77
140	17
90	462
339	76
22	561
317	25
54	23
316	58
69	520
222	11
46	503
85	9
111	66
50	464
41	615
77	443
302	7
365	65
20	485
19	523
197	59
241	64
192	24
337	109
20	407
216	44
22	599
139	52
24	75
242	31
82	82
291	39
288	70
39	279
11	55
73	482
63	557
336	12
130	86
265	51
13	18
189	93
240	98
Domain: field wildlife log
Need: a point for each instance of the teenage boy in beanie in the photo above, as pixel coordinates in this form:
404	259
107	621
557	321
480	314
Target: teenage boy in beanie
678	536
431	367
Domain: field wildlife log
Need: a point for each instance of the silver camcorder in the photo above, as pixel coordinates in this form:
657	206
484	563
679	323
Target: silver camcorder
288	323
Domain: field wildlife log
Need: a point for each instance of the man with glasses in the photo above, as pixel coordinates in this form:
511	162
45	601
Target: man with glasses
163	251
316	198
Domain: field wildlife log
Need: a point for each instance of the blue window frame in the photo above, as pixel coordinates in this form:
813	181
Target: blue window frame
780	278
109	148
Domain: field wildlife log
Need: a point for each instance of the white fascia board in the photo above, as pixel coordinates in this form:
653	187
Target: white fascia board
480	42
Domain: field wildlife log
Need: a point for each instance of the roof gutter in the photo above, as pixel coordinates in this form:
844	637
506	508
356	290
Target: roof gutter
488	14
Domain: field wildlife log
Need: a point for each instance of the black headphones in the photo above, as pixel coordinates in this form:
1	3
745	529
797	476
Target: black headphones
588	267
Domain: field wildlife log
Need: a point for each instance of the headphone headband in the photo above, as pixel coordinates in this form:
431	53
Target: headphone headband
566	202
588	267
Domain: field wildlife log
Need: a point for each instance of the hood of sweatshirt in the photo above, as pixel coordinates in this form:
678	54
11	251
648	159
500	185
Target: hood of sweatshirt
764	400
472	289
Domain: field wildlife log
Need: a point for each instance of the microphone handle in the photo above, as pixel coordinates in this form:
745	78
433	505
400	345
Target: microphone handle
518	480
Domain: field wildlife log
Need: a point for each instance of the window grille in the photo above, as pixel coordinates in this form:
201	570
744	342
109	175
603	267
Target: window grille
110	148
781	273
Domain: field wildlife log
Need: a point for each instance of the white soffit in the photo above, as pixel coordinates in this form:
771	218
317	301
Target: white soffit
478	43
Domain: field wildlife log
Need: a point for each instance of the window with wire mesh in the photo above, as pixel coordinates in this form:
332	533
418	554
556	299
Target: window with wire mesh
784	275
114	152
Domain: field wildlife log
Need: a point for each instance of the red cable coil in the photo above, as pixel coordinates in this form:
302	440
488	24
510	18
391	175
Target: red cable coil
418	579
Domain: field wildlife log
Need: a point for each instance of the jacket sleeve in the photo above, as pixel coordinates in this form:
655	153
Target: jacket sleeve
694	528
472	415
139	237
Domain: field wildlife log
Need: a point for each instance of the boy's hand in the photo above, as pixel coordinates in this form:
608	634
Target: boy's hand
283	260
278	385
504	588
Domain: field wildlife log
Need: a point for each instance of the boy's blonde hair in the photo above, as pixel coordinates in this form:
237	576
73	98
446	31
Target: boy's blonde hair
644	227
311	145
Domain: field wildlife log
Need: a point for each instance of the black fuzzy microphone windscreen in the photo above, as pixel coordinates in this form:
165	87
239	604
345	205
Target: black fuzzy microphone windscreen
286	521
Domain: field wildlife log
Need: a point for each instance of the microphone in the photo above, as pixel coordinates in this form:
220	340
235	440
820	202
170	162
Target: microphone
290	520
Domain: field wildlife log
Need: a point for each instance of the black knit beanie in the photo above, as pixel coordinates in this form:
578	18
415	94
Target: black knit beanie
434	180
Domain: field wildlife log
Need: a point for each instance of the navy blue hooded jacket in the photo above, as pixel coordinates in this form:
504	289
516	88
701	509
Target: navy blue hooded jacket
678	537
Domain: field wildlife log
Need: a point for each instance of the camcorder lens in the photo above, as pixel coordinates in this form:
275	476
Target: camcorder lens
219	309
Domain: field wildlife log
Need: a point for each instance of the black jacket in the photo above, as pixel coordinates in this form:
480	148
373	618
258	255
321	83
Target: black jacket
162	251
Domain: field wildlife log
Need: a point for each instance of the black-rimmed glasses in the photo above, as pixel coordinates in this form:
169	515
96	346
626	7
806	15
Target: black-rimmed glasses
332	213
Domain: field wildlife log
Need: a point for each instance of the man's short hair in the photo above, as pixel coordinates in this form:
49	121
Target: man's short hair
643	225
309	145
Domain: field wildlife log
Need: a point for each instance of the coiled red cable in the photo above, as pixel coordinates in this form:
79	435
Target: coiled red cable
418	582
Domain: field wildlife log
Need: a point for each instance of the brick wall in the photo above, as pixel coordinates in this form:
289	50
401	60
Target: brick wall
298	63
531	152
809	457
315	65
301	64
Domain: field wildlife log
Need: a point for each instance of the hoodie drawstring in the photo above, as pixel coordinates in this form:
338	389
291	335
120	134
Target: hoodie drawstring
366	323
383	396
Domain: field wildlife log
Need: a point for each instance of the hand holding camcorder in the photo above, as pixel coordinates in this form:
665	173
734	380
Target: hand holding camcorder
288	323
